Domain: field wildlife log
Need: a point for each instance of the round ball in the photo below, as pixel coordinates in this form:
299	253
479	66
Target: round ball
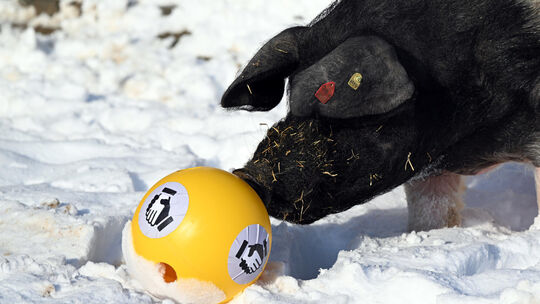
206	224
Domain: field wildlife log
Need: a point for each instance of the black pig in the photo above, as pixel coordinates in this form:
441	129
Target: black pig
385	92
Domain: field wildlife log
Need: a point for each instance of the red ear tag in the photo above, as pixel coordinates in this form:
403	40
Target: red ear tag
325	92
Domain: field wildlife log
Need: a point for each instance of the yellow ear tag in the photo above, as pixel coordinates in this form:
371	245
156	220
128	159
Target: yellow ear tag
355	81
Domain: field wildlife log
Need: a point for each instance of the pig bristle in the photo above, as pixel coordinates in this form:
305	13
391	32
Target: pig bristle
408	162
353	156
281	51
317	157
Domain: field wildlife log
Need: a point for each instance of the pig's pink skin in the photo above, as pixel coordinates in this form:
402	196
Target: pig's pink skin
486	170
537	178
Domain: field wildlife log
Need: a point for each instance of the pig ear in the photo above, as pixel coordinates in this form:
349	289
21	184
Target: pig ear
261	84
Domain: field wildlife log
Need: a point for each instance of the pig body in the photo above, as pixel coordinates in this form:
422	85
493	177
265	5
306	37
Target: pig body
448	88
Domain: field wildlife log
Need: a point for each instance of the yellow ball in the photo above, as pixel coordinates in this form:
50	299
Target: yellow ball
206	224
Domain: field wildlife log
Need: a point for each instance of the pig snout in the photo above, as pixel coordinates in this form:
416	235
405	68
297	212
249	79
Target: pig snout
252	182
307	168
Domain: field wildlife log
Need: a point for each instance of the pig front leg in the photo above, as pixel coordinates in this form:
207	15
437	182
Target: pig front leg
537	178
435	201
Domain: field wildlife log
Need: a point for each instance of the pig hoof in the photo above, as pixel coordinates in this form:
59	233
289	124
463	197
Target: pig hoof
435	202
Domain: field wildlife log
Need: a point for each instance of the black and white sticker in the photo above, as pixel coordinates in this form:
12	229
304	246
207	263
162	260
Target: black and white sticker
248	254
163	210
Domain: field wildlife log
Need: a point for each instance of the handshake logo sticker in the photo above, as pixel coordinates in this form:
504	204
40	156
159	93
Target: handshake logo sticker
163	210
248	254
157	212
251	260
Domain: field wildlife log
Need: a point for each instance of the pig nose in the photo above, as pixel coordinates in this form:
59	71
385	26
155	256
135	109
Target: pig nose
243	174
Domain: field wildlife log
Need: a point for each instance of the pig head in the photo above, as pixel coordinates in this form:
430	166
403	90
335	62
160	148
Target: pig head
387	92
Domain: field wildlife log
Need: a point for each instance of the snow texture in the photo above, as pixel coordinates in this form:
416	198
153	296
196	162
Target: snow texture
150	276
123	93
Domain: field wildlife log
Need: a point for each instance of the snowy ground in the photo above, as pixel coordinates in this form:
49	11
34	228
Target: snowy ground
96	112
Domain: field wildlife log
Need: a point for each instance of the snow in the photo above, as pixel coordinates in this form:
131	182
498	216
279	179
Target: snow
150	277
95	113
